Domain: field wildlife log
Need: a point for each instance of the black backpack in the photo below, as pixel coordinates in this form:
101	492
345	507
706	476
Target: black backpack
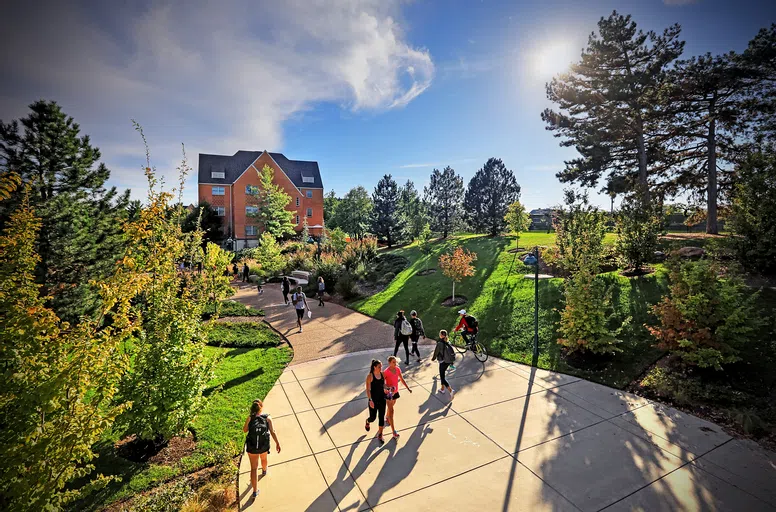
472	323
258	434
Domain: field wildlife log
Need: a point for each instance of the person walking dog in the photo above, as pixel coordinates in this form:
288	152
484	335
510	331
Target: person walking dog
417	333
401	334
445	354
259	428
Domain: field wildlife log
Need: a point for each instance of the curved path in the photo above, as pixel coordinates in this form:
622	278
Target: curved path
514	438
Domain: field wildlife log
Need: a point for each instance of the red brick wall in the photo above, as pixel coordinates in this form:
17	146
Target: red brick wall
206	194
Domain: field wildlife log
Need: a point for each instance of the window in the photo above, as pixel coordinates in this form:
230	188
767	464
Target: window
220	211
308	179
217	175
309	212
250	230
297	201
218	191
297	220
309	193
251	189
251	210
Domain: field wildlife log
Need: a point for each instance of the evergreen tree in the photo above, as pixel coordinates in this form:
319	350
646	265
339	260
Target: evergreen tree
81	222
412	214
354	212
759	63
330	203
209	222
384	215
444	197
491	190
271	200
609	103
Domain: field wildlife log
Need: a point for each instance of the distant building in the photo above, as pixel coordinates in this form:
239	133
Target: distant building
227	183
542	219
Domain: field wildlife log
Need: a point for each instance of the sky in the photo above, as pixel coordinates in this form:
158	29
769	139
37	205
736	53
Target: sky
365	88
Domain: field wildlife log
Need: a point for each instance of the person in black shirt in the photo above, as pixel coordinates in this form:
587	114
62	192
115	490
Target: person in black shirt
417	333
285	287
246	272
376	394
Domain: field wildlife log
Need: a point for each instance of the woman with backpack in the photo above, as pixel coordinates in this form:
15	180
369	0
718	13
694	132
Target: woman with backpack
259	427
401	334
375	392
445	354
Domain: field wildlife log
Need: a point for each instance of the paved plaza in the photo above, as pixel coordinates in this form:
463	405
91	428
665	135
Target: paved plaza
514	438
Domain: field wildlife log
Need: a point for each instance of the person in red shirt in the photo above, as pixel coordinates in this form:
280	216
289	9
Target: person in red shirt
467	326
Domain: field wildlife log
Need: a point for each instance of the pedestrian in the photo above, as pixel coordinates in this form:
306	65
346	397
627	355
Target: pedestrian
259	283
444	354
417	333
285	287
300	303
234	270
259	427
401	334
392	376
375	393
321	289
246	272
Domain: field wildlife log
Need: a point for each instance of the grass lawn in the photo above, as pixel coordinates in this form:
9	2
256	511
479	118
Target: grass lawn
242	375
230	308
242	334
503	301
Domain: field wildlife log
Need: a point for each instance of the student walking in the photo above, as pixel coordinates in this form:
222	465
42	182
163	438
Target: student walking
417	333
234	270
392	376
285	287
259	427
375	393
300	303
446	356
246	272
401	334
321	289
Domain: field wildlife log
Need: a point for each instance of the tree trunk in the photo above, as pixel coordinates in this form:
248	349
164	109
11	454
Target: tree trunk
453	299
711	217
643	179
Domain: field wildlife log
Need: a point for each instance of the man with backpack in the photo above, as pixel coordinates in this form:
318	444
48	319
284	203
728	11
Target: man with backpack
468	326
402	330
444	354
417	332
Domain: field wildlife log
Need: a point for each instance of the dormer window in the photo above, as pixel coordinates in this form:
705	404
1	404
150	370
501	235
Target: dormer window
308	179
217	175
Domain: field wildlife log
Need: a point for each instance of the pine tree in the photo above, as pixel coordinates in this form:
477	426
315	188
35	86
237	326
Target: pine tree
330	203
271	200
759	63
384	215
609	103
491	190
80	238
412	214
354	212
444	197
209	221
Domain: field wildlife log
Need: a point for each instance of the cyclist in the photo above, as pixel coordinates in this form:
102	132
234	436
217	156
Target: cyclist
468	327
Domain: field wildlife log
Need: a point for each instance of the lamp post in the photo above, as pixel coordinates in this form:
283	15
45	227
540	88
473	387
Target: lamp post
533	259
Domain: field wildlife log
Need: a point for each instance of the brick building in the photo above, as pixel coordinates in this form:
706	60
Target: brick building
226	183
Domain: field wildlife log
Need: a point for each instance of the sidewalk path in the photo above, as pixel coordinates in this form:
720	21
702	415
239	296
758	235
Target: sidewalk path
515	438
332	330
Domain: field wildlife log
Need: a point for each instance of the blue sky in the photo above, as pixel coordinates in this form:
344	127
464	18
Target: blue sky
365	88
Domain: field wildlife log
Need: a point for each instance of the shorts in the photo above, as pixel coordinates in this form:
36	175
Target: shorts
300	313
395	396
256	451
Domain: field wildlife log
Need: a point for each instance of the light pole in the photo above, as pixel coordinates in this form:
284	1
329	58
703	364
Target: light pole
533	259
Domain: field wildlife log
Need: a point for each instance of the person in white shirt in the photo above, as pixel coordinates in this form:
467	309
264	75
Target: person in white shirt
299	299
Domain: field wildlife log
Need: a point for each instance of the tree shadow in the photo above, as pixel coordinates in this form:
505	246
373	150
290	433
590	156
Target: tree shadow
234	382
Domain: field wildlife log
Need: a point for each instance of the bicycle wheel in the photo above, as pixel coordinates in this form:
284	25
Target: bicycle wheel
458	344
479	352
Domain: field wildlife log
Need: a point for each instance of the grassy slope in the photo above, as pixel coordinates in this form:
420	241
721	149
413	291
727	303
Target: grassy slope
502	300
242	375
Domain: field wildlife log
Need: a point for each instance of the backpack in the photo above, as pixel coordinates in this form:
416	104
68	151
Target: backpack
472	323
449	354
258	433
406	328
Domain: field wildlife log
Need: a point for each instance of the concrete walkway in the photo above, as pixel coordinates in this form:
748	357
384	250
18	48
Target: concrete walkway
514	438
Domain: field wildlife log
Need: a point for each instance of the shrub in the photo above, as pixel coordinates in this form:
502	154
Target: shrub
168	498
704	319
301	259
387	278
346	286
424	240
268	257
583	320
229	308
242	334
386	263
337	241
753	211
328	266
580	229
550	256
638	229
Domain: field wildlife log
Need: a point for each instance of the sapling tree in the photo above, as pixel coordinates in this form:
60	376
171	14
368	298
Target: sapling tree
457	265
517	220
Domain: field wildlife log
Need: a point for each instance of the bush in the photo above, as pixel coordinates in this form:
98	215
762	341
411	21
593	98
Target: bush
303	259
580	232
168	498
346	286
337	241
229	308
328	266
583	320
386	278
242	334
753	209
704	319
638	229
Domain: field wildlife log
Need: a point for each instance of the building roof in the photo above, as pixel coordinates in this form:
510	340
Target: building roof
301	173
542	211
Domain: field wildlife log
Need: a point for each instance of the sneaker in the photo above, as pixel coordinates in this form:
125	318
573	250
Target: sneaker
442	391
451	367
380	439
452	393
263	472
418	360
300	329
396	435
254	494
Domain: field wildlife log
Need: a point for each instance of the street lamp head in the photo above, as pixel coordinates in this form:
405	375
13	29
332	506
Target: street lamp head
530	260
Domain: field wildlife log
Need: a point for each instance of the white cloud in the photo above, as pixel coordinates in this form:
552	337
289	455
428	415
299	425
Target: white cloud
218	76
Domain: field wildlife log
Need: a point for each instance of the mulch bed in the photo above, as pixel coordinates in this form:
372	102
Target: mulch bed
156	452
450	303
239	319
646	270
426	272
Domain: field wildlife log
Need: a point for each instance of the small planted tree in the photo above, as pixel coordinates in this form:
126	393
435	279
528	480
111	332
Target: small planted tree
517	220
638	229
424	240
272	200
705	319
268	255
580	229
214	263
457	265
305	231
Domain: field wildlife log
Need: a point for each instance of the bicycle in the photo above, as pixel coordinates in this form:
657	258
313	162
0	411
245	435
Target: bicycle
477	348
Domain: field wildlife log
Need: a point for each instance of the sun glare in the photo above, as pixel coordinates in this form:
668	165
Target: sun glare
551	58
